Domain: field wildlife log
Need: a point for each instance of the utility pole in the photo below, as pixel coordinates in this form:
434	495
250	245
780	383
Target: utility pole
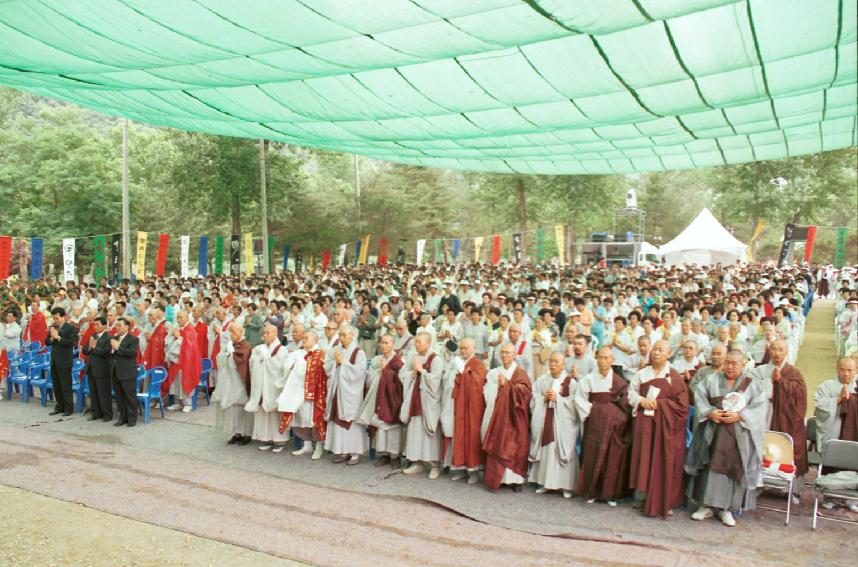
126	214
357	194
263	144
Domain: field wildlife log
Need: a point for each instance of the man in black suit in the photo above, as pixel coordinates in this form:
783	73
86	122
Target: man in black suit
62	339
98	367
123	348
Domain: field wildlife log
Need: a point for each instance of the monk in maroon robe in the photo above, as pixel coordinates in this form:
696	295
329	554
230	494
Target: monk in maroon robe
469	404
506	441
658	439
788	403
155	353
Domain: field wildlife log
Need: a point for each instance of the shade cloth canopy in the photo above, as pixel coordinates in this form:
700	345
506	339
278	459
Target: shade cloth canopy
530	86
704	242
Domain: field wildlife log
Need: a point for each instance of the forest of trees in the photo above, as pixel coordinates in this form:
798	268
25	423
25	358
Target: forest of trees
60	176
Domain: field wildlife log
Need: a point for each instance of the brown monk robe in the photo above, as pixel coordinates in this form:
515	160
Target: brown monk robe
658	439
507	422
603	406
468	408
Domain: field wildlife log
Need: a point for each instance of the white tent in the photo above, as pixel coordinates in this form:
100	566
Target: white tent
703	242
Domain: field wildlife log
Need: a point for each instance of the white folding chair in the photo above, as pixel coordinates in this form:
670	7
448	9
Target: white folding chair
837	454
778	450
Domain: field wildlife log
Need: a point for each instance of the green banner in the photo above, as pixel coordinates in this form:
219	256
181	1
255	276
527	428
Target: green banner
218	258
438	253
99	246
270	254
540	244
840	247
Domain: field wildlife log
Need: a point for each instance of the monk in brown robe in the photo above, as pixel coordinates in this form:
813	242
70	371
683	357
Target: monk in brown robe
468	408
603	407
659	399
506	422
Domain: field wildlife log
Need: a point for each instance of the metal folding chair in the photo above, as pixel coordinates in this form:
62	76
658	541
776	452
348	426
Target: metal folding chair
778	445
841	455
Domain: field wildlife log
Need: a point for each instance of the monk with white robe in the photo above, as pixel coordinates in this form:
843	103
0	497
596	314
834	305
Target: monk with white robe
383	401
218	337
183	354
233	388
506	423
603	408
422	377
726	453
266	382
304	397
836	412
554	430
468	406
346	372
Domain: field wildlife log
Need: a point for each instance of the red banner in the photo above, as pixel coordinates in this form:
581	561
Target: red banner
808	245
326	259
163	243
382	251
496	249
5	256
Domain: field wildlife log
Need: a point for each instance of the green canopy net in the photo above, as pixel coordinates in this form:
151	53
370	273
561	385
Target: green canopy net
529	86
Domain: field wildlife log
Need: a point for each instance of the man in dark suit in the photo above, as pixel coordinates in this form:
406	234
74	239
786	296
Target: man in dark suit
123	357
62	339
98	367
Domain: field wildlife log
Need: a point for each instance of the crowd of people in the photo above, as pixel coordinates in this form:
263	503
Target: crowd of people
582	381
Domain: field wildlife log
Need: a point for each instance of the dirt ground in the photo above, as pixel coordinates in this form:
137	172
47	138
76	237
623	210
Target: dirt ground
38	530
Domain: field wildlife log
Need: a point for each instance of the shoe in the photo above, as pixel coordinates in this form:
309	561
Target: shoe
795	500
434	473
638	505
341	459
131	425
353	461
414	468
107	419
726	518
278	448
174	407
120	423
307	448
266	447
474	478
459	475
55	412
702	513
828	504
186	409
591	500
517	488
244	441
382	460
92	418
319	452
613	504
567	494
67	414
235	439
541	490
853	507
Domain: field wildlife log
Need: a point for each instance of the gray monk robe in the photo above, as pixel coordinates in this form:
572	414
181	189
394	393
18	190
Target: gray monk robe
554	433
421	407
233	387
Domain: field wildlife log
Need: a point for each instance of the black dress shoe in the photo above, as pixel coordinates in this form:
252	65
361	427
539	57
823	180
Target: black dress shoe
107	419
55	412
67	414
517	488
119	424
92	418
131	424
235	439
244	440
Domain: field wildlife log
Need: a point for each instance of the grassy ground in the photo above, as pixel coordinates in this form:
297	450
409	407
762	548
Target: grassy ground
817	358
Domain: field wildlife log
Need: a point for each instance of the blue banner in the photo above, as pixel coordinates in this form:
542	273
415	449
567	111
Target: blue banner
285	257
456	249
203	256
357	252
37	250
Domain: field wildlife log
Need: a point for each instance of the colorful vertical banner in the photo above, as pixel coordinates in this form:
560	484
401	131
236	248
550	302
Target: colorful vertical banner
161	261
456	244
341	256
234	255
68	260
203	256
560	237
382	251
311	265
516	247
184	253
540	244
218	258
786	245
270	254
808	245
37	252
364	249
115	256
758	230
439	253
248	253
357	252
298	262
840	247
421	245
99	258
496	249
140	269
285	257
326	259
5	256
478	245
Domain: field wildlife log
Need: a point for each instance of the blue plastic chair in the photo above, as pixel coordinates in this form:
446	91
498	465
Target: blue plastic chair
19	377
43	382
203	386
157	376
78	384
35	346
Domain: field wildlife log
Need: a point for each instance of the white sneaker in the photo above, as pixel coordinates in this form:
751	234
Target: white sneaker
266	447
612	503
307	448
319	452
541	490
726	518
828	504
413	469
459	475
591	500
853	507
186	409
434	473
278	448
702	513
174	407
473	477
567	494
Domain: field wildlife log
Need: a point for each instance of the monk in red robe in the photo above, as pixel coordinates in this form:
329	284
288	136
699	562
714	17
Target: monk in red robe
36	330
202	332
507	422
156	341
659	398
183	376
87	332
469	405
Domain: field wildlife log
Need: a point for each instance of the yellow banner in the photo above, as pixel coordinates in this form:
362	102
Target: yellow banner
312	263
248	253
364	249
560	236
478	245
140	270
758	230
